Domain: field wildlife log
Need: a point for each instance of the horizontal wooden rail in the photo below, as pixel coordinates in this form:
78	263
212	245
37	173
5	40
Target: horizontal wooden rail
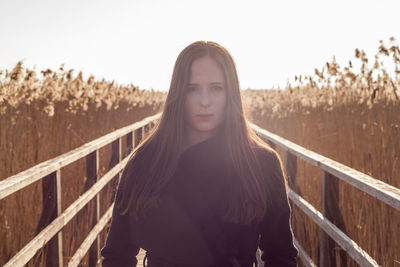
25	178
378	189
305	259
25	254
357	253
84	247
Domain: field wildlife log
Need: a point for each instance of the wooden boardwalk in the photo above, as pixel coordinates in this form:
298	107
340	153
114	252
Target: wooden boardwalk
57	217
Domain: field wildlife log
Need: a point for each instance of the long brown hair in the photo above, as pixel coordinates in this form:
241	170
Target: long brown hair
154	161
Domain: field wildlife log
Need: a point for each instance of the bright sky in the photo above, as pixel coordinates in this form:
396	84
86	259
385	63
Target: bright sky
132	41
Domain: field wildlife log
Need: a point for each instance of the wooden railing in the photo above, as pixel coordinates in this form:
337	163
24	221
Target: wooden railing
49	171
330	172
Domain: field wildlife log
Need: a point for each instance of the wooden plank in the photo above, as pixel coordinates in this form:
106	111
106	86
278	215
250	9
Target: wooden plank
90	238
357	253
293	148
30	249
304	257
383	191
31	175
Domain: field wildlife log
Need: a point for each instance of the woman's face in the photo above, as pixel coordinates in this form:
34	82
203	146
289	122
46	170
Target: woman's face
205	103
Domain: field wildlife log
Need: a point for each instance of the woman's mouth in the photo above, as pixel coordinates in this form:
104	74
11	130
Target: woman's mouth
204	116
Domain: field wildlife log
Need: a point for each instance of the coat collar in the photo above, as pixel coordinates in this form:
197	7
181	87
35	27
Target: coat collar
210	144
207	159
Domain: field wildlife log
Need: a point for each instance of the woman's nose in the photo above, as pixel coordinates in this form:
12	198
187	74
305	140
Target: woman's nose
205	98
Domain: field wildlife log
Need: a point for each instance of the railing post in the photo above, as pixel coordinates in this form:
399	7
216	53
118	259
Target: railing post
129	142
116	156
324	249
138	135
92	169
59	211
146	130
116	153
51	198
330	209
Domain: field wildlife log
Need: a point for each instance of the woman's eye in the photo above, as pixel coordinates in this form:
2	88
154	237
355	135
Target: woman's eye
217	88
192	88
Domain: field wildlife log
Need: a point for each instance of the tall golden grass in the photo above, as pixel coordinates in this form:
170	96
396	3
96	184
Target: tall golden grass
353	117
45	117
347	114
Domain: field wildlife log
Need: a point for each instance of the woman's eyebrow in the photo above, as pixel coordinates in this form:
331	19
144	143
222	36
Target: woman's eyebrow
217	83
213	83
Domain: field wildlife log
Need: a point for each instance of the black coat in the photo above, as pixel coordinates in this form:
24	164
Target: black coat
185	228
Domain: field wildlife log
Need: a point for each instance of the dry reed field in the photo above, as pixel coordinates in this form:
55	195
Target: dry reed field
45	117
350	114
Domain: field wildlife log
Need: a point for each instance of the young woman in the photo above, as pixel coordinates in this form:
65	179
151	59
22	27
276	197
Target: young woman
202	189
